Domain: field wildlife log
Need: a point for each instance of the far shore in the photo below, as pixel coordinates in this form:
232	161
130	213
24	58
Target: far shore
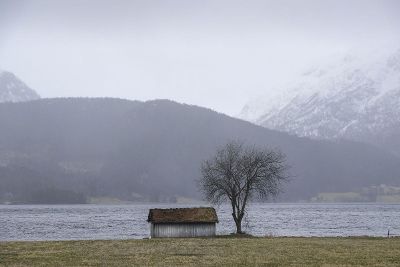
201	203
220	251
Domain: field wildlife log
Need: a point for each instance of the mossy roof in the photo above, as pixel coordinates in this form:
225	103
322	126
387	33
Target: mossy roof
183	215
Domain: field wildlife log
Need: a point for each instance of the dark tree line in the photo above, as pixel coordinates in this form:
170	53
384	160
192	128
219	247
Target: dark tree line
149	151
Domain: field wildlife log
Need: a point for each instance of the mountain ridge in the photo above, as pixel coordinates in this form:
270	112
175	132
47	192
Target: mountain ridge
357	99
12	89
152	151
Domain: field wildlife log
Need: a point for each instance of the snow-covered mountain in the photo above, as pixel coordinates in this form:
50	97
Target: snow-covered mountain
356	98
13	89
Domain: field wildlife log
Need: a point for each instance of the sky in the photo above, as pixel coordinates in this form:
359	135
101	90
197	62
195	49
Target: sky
216	54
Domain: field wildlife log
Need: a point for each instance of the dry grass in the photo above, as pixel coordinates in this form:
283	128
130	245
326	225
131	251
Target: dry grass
201	252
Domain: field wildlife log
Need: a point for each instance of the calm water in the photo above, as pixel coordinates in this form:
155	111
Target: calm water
63	222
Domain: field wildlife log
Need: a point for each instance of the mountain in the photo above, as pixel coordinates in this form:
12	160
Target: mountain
54	150
356	98
13	89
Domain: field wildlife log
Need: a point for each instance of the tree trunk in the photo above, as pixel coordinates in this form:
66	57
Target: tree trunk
238	223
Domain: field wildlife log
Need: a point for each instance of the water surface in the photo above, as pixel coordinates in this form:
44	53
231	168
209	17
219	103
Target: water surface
69	222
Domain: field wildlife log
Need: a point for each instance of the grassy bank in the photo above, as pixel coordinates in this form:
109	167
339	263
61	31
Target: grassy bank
213	251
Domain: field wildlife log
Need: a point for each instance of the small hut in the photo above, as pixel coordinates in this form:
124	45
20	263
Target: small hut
183	222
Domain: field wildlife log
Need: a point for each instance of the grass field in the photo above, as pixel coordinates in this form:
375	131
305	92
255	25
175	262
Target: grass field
212	251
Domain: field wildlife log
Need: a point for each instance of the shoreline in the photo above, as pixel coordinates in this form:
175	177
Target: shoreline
196	203
214	237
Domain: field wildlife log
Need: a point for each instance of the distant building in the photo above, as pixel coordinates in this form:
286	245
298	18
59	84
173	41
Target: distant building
184	222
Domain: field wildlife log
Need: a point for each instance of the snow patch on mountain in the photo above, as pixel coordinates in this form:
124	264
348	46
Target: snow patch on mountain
13	89
357	97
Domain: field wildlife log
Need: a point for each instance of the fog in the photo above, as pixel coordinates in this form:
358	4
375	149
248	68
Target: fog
72	150
216	54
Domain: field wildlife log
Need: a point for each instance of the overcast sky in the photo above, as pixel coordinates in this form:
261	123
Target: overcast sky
216	54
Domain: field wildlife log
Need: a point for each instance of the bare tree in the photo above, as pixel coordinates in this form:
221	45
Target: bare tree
239	173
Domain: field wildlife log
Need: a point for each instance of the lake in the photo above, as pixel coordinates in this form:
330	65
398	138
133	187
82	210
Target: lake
69	222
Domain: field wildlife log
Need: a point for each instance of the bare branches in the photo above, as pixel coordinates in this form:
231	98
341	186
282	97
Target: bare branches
239	174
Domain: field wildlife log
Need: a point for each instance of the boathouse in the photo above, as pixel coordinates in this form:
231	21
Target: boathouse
183	222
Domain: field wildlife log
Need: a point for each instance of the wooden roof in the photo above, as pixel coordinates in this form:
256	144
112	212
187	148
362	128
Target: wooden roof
183	215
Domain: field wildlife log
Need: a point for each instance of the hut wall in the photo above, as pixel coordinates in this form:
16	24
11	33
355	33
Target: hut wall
182	229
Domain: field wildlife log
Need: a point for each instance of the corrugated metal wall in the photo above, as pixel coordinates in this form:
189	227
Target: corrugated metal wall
182	230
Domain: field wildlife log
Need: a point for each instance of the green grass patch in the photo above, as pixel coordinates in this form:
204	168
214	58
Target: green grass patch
278	251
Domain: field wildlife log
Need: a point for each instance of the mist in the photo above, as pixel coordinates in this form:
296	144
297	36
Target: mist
216	54
196	126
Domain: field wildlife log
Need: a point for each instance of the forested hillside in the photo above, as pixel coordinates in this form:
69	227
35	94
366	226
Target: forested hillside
66	150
